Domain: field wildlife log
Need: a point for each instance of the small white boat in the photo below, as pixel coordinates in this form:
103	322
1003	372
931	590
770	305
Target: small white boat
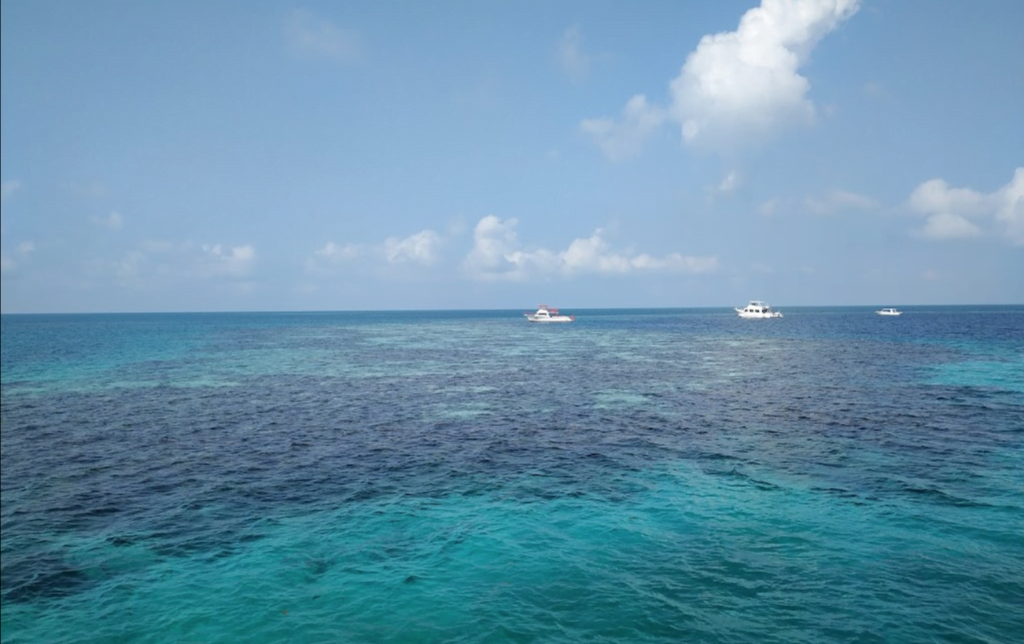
889	311
547	314
758	310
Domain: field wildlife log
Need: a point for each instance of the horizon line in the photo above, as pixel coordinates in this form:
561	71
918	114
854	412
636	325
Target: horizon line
469	310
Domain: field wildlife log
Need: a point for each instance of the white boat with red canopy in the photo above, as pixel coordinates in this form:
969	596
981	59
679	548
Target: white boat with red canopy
547	314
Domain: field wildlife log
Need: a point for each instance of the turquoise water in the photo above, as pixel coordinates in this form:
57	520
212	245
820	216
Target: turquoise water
637	476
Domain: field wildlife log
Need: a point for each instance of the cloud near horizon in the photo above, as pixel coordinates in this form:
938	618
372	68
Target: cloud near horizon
963	213
168	261
9	264
735	87
497	255
419	248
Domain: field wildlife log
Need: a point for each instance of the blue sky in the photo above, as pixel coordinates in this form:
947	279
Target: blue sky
177	156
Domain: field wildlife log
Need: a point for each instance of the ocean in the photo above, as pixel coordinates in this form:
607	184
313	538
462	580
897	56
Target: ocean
640	476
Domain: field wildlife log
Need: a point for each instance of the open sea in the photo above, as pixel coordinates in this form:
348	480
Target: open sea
638	476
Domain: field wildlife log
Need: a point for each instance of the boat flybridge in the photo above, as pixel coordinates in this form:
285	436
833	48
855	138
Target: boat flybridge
757	309
547	314
889	311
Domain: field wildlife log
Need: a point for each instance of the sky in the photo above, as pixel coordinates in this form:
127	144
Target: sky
239	156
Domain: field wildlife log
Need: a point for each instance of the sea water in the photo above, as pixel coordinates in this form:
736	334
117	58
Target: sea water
636	476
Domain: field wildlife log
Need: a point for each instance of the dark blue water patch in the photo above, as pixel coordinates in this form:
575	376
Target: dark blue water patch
41	577
153	468
244	436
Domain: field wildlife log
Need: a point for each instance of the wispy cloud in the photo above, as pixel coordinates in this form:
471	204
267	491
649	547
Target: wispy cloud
836	201
332	252
311	36
497	255
962	213
946	225
8	188
770	207
624	138
831	202
742	86
225	260
729	183
9	264
164	261
113	221
419	248
570	55
873	89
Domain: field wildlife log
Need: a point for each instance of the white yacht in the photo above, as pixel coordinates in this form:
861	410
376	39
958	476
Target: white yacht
547	314
889	311
759	310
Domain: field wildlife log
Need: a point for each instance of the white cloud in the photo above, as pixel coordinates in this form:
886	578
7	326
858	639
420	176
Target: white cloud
945	225
960	213
113	221
131	267
168	261
838	200
770	207
742	86
1010	211
873	89
311	36
497	255
730	183
420	248
623	139
570	54
829	203
334	253
494	242
745	83
936	196
8	188
226	260
8	264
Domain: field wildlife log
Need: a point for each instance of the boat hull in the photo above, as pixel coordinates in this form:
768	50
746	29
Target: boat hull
547	314
757	310
757	316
